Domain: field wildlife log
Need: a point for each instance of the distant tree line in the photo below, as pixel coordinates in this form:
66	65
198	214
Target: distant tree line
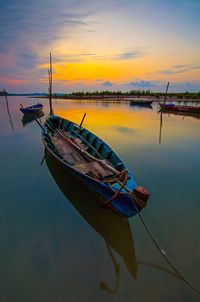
113	93
137	92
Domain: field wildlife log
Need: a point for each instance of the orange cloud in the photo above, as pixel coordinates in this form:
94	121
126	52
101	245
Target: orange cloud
10	81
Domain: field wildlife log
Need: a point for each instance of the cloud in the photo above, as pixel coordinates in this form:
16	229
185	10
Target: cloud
79	57
129	55
30	27
141	84
29	30
186	86
178	69
12	81
179	66
107	84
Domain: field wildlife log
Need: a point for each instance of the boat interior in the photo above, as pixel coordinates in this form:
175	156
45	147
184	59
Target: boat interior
83	150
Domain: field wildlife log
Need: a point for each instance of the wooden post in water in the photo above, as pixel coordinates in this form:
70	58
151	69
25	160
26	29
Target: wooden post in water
5	94
166	92
161	124
82	120
50	86
8	110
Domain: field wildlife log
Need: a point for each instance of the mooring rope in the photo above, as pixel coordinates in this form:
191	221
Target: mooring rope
163	253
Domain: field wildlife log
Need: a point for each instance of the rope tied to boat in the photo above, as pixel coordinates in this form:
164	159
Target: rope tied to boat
139	201
163	253
115	177
116	194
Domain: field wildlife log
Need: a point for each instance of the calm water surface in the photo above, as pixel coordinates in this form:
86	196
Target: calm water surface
57	244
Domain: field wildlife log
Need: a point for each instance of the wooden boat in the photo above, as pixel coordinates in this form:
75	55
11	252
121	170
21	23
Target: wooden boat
179	108
93	162
31	109
144	103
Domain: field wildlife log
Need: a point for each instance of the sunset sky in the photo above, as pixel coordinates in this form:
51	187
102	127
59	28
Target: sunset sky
100	45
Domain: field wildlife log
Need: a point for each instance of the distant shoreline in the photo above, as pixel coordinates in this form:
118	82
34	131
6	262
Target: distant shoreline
119	98
178	97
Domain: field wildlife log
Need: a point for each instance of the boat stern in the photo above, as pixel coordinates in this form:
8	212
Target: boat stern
141	196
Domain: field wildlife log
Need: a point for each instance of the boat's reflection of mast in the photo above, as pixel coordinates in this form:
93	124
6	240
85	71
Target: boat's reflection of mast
161	125
161	120
103	285
8	110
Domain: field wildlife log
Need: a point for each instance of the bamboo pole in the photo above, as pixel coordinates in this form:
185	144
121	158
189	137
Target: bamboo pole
50	85
161	124
39	124
8	110
82	120
166	92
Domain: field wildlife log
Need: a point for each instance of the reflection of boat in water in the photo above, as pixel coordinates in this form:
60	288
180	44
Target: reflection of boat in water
183	114
29	117
160	129
141	103
115	230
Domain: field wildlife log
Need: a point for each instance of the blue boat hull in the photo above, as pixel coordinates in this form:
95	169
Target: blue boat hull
122	205
32	109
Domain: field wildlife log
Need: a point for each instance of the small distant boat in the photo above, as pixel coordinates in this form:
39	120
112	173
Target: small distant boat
31	109
179	108
144	103
93	162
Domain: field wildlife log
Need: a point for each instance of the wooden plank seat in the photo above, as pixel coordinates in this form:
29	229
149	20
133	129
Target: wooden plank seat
67	151
80	143
68	157
82	161
94	169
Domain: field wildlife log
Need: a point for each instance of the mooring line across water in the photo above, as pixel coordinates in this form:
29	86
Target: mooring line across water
163	253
